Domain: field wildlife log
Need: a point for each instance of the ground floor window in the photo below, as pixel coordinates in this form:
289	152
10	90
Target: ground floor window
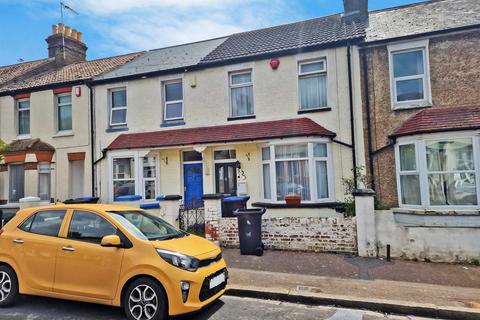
16	182
438	172
134	174
301	169
44	181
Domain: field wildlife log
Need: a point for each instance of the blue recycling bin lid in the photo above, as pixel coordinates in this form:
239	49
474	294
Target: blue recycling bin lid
236	198
88	198
150	205
161	197
128	198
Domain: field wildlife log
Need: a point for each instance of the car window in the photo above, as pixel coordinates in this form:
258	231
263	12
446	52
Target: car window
46	223
87	226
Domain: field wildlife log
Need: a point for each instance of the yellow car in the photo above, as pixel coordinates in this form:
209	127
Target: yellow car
110	255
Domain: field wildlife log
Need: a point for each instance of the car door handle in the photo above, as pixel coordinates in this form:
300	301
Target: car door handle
68	248
19	241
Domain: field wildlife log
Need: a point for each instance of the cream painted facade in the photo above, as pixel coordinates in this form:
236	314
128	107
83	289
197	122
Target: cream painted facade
66	179
206	103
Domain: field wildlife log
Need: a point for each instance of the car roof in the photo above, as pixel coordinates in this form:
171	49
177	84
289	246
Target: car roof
94	207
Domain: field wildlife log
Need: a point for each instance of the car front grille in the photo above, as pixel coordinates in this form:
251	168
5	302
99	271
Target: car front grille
206	293
207	262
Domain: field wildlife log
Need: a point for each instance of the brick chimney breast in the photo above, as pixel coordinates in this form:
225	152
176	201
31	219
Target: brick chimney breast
65	45
355	8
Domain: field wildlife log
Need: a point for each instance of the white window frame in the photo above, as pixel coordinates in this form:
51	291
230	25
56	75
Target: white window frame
154	179
166	103
17	112
242	85
309	74
110	103
423	46
420	142
311	167
138	172
57	111
48	172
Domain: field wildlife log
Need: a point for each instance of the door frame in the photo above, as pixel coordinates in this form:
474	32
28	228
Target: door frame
184	176
226	163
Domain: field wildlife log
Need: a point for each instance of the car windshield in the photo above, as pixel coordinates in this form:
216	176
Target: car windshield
146	226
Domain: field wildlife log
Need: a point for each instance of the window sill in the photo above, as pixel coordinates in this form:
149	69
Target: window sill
24	137
241	118
437	219
172	124
411	107
272	205
314	110
63	134
116	129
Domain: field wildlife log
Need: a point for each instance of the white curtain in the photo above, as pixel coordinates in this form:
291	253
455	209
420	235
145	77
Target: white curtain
292	177
322	179
242	101
313	92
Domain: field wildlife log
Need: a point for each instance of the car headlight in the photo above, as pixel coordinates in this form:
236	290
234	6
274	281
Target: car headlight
179	260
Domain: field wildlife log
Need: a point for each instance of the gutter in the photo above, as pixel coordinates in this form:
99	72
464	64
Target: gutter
352	118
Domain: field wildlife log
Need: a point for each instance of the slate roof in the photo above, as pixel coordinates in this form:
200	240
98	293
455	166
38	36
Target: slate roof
441	119
314	32
226	133
69	73
28	145
7	73
168	58
422	18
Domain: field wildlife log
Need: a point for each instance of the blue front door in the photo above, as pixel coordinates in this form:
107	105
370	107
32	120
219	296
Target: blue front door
193	181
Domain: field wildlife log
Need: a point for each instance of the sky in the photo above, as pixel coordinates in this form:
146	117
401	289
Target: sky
112	27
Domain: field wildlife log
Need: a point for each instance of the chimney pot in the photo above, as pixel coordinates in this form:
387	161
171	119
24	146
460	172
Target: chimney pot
54	29
79	36
68	31
74	34
61	28
66	49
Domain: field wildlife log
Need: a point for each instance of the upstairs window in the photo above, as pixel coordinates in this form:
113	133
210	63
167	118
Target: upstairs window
312	83
23	117
118	107
241	94
409	76
173	100
64	112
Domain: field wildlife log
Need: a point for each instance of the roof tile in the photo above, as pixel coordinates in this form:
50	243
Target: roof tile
227	133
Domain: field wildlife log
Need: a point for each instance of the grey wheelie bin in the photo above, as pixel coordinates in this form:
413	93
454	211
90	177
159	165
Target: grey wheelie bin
250	231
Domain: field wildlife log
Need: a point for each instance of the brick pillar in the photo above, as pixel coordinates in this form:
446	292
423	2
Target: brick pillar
170	208
213	213
365	216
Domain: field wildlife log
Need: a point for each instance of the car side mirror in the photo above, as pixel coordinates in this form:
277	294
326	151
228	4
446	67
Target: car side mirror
111	241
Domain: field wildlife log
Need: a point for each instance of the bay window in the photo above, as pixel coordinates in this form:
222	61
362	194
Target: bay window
241	94
312	83
123	177
438	173
301	169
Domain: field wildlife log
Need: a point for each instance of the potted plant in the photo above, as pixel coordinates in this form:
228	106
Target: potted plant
293	199
3	147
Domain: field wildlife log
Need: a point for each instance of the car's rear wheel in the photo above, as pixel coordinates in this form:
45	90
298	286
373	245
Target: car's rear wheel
8	287
145	300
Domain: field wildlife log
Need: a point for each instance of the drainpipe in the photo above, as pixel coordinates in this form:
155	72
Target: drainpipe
369	121
92	136
352	118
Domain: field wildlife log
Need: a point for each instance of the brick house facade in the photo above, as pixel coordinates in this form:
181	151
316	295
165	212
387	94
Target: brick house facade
454	79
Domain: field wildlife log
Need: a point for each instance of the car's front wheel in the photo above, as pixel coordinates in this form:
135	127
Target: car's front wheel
8	287
145	300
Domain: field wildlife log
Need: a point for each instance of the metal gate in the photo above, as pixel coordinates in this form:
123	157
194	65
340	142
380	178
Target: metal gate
192	220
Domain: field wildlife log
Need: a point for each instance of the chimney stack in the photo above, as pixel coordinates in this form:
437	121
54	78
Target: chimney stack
355	8
65	45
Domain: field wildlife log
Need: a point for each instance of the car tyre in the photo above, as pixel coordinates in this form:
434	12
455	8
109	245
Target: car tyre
8	287
145	299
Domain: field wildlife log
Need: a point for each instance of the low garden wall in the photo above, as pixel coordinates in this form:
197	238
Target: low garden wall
316	234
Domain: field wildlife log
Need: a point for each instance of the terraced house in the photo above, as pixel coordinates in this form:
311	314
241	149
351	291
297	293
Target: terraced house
45	119
264	113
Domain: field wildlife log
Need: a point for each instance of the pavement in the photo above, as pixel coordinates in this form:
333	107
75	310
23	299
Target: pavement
227	308
407	287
